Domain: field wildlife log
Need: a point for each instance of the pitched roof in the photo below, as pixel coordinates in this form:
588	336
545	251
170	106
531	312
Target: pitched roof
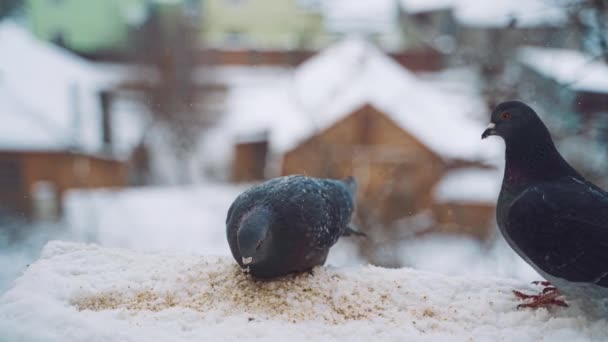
568	67
48	96
348	75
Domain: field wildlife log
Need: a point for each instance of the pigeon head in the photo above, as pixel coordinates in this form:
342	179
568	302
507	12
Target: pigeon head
530	154
514	120
254	235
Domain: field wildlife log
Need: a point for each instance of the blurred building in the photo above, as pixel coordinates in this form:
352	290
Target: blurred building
86	26
262	24
428	24
377	21
352	110
485	34
570	90
94	28
60	127
286	33
565	81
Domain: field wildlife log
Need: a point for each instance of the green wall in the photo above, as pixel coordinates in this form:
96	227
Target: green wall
85	25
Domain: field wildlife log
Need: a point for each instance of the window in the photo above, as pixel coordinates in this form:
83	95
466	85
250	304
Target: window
235	2
11	175
234	37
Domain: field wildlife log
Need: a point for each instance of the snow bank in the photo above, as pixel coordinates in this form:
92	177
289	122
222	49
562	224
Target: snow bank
469	186
186	219
81	292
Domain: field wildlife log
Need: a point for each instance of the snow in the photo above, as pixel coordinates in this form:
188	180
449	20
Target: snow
497	13
186	219
343	78
40	134
418	6
363	16
48	96
458	255
192	219
57	76
569	67
469	186
81	292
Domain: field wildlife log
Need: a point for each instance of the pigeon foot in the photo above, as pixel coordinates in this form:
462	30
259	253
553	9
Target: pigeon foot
546	298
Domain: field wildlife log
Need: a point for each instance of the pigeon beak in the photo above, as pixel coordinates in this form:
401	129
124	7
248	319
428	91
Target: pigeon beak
247	261
491	130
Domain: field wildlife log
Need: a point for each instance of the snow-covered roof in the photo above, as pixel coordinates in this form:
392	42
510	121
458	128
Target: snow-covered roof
570	67
364	16
418	6
495	13
22	127
500	13
78	292
469	185
343	78
48	96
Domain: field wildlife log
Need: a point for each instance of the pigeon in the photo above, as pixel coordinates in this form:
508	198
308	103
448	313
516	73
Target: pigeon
553	218
288	224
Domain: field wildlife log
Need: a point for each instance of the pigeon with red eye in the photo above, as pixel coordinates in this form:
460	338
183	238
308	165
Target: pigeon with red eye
288	224
554	218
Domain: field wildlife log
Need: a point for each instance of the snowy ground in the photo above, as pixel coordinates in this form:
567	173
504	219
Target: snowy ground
79	292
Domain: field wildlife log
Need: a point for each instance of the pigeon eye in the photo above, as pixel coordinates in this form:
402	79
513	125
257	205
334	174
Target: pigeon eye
505	115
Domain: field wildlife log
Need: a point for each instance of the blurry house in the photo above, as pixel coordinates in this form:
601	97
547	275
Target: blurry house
99	29
261	24
377	21
570	90
352	110
428	24
462	197
488	33
286	33
79	26
60	128
565	82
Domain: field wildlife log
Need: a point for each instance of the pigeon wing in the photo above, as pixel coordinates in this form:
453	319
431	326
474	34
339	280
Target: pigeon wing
563	229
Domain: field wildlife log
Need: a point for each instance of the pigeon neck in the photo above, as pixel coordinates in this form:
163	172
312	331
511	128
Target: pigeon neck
529	162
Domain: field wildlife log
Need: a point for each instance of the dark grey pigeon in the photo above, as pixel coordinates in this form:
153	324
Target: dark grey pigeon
288	224
555	219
